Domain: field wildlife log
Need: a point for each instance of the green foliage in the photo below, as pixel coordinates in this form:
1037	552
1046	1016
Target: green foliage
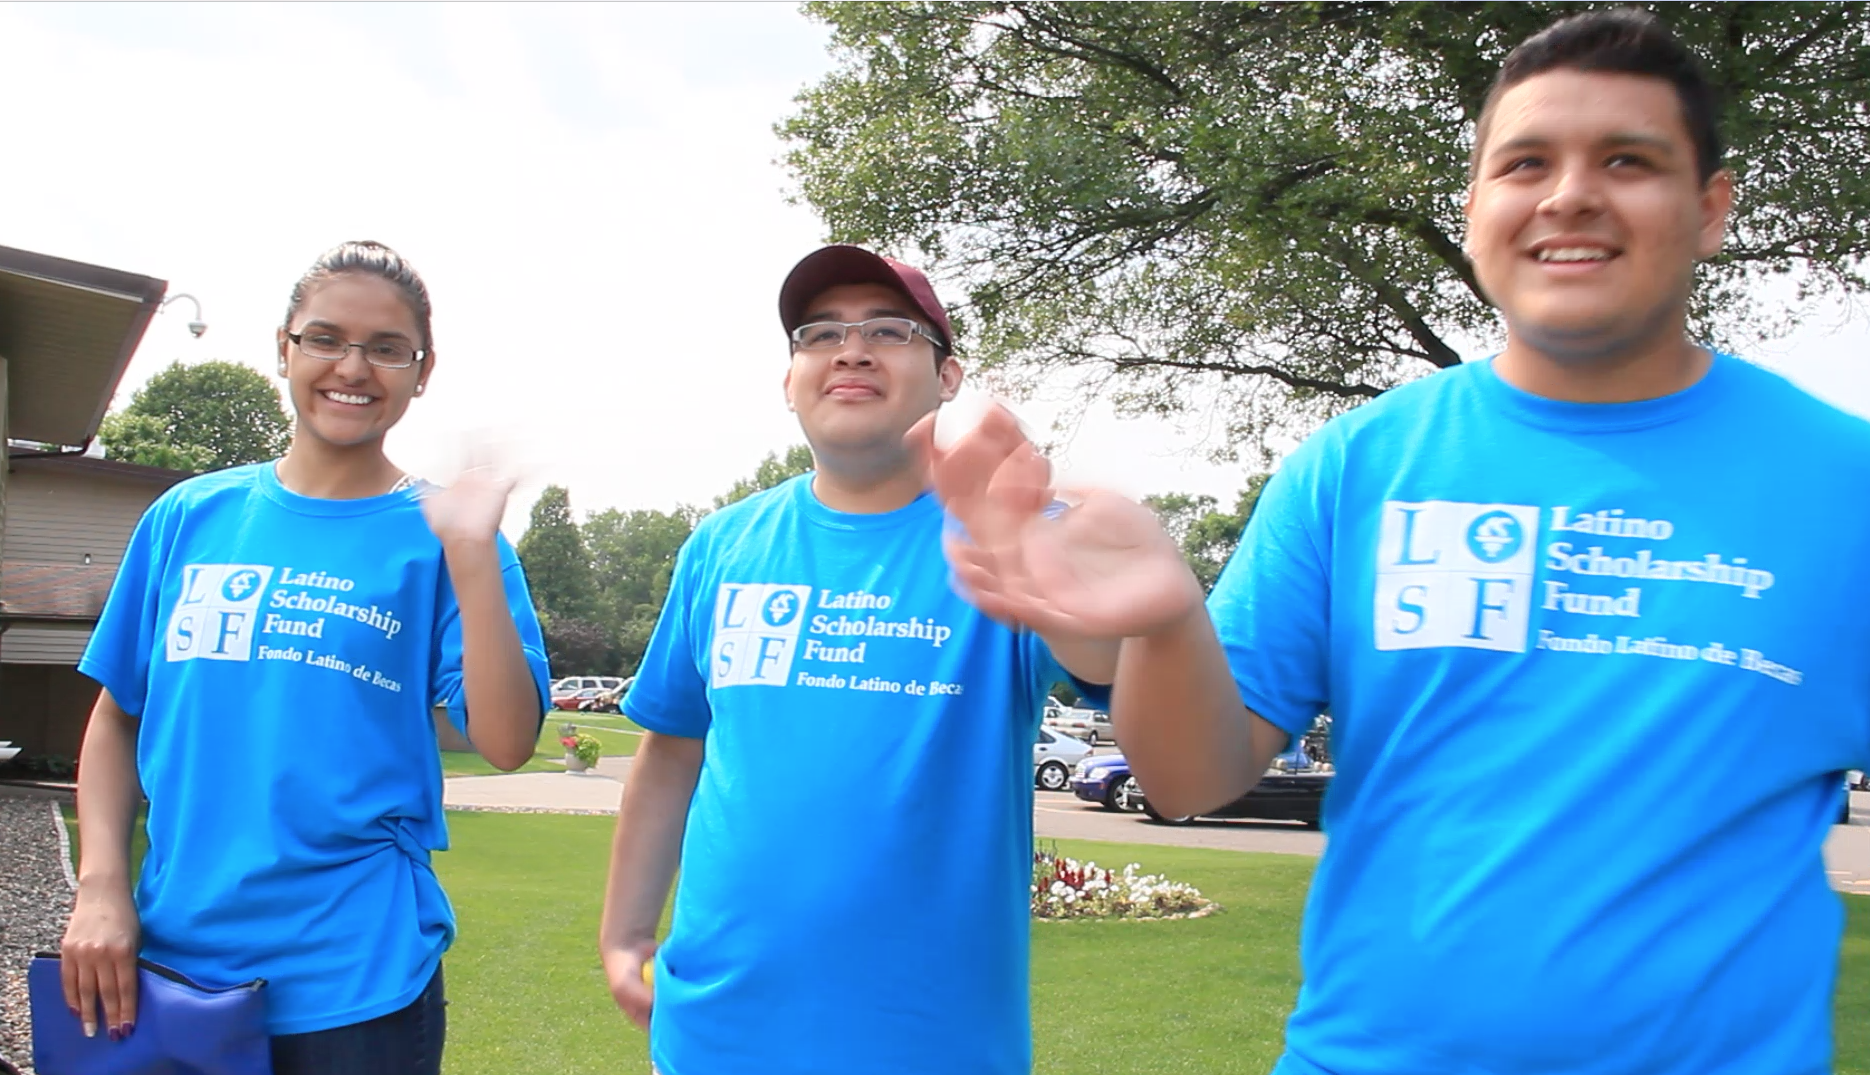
632	561
600	587
771	472
558	566
581	745
141	439
1207	535
577	647
1185	204
208	416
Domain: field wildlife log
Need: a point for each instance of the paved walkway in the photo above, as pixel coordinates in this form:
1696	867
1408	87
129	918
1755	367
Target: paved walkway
1056	816
1847	852
595	791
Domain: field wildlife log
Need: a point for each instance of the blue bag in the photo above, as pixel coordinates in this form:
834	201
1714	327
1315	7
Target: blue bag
181	1028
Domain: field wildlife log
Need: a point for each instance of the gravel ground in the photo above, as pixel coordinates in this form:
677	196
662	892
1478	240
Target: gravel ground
35	894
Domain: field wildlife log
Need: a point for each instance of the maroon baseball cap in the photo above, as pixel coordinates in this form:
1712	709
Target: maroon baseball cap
834	266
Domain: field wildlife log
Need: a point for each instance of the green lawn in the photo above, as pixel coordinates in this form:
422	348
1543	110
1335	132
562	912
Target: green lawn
1206	996
527	992
618	734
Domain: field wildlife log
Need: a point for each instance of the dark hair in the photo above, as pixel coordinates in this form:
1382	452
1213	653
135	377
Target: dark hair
1624	41
369	258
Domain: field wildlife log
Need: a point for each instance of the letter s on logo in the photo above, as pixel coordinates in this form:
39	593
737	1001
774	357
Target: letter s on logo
1408	599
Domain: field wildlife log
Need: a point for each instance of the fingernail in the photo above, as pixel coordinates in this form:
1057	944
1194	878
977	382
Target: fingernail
90	1029
115	1035
125	1030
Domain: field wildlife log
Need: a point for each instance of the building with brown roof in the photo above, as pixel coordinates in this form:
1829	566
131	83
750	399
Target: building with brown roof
68	520
67	331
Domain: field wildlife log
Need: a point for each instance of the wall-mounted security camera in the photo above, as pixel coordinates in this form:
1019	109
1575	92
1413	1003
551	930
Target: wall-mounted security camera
196	327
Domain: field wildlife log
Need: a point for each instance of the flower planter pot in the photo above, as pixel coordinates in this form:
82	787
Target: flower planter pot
575	764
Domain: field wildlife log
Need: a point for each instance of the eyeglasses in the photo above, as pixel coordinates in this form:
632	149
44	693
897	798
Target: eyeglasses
892	331
389	353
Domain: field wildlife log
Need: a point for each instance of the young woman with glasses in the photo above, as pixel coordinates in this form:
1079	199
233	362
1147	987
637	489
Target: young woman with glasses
270	653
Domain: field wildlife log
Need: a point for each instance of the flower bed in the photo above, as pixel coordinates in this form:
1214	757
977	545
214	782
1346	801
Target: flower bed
1064	888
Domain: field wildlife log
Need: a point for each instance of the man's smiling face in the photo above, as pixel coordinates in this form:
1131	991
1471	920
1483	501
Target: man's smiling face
863	396
1587	212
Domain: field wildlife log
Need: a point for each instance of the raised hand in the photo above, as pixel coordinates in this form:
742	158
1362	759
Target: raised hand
1102	568
468	512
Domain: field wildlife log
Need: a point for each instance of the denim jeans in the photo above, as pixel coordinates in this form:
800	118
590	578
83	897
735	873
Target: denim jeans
405	1042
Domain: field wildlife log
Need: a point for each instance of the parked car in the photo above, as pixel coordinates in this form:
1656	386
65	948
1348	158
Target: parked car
573	686
1844	808
570	684
1105	779
576	700
1053	756
1281	795
608	701
1290	791
1091	725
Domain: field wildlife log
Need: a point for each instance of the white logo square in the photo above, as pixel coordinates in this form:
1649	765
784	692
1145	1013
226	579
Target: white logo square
756	633
1455	574
215	618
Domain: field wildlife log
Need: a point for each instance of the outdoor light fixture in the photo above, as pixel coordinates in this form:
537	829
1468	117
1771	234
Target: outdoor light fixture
195	327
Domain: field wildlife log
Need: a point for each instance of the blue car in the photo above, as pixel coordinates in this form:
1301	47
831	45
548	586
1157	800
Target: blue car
1105	780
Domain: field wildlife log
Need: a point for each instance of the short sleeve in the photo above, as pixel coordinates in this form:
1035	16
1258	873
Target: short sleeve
119	653
670	694
1271	607
450	690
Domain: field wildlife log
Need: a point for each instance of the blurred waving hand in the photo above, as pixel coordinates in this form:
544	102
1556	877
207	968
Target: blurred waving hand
1101	568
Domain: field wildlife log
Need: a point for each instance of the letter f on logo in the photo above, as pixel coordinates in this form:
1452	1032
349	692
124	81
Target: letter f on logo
1482	606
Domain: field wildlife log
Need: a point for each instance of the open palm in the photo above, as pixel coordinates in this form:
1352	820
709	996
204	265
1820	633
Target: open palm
470	509
1100	568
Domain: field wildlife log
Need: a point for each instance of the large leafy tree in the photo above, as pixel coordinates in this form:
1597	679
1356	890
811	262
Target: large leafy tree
205	416
772	470
600	587
580	647
1193	203
558	565
1207	535
633	559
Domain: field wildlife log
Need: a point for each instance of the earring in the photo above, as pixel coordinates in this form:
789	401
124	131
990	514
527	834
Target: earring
419	389
282	368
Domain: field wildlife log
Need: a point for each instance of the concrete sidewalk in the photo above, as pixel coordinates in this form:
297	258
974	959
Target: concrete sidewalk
596	791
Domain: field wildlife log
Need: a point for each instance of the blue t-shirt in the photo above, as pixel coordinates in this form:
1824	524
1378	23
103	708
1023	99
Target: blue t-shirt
283	654
855	885
1593	671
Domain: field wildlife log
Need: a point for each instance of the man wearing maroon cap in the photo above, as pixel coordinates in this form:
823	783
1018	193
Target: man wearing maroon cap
839	747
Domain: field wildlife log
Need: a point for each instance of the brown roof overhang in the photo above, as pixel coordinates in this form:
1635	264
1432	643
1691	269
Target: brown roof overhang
67	330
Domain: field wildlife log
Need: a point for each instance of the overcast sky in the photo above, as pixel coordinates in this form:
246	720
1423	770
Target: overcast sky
591	192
